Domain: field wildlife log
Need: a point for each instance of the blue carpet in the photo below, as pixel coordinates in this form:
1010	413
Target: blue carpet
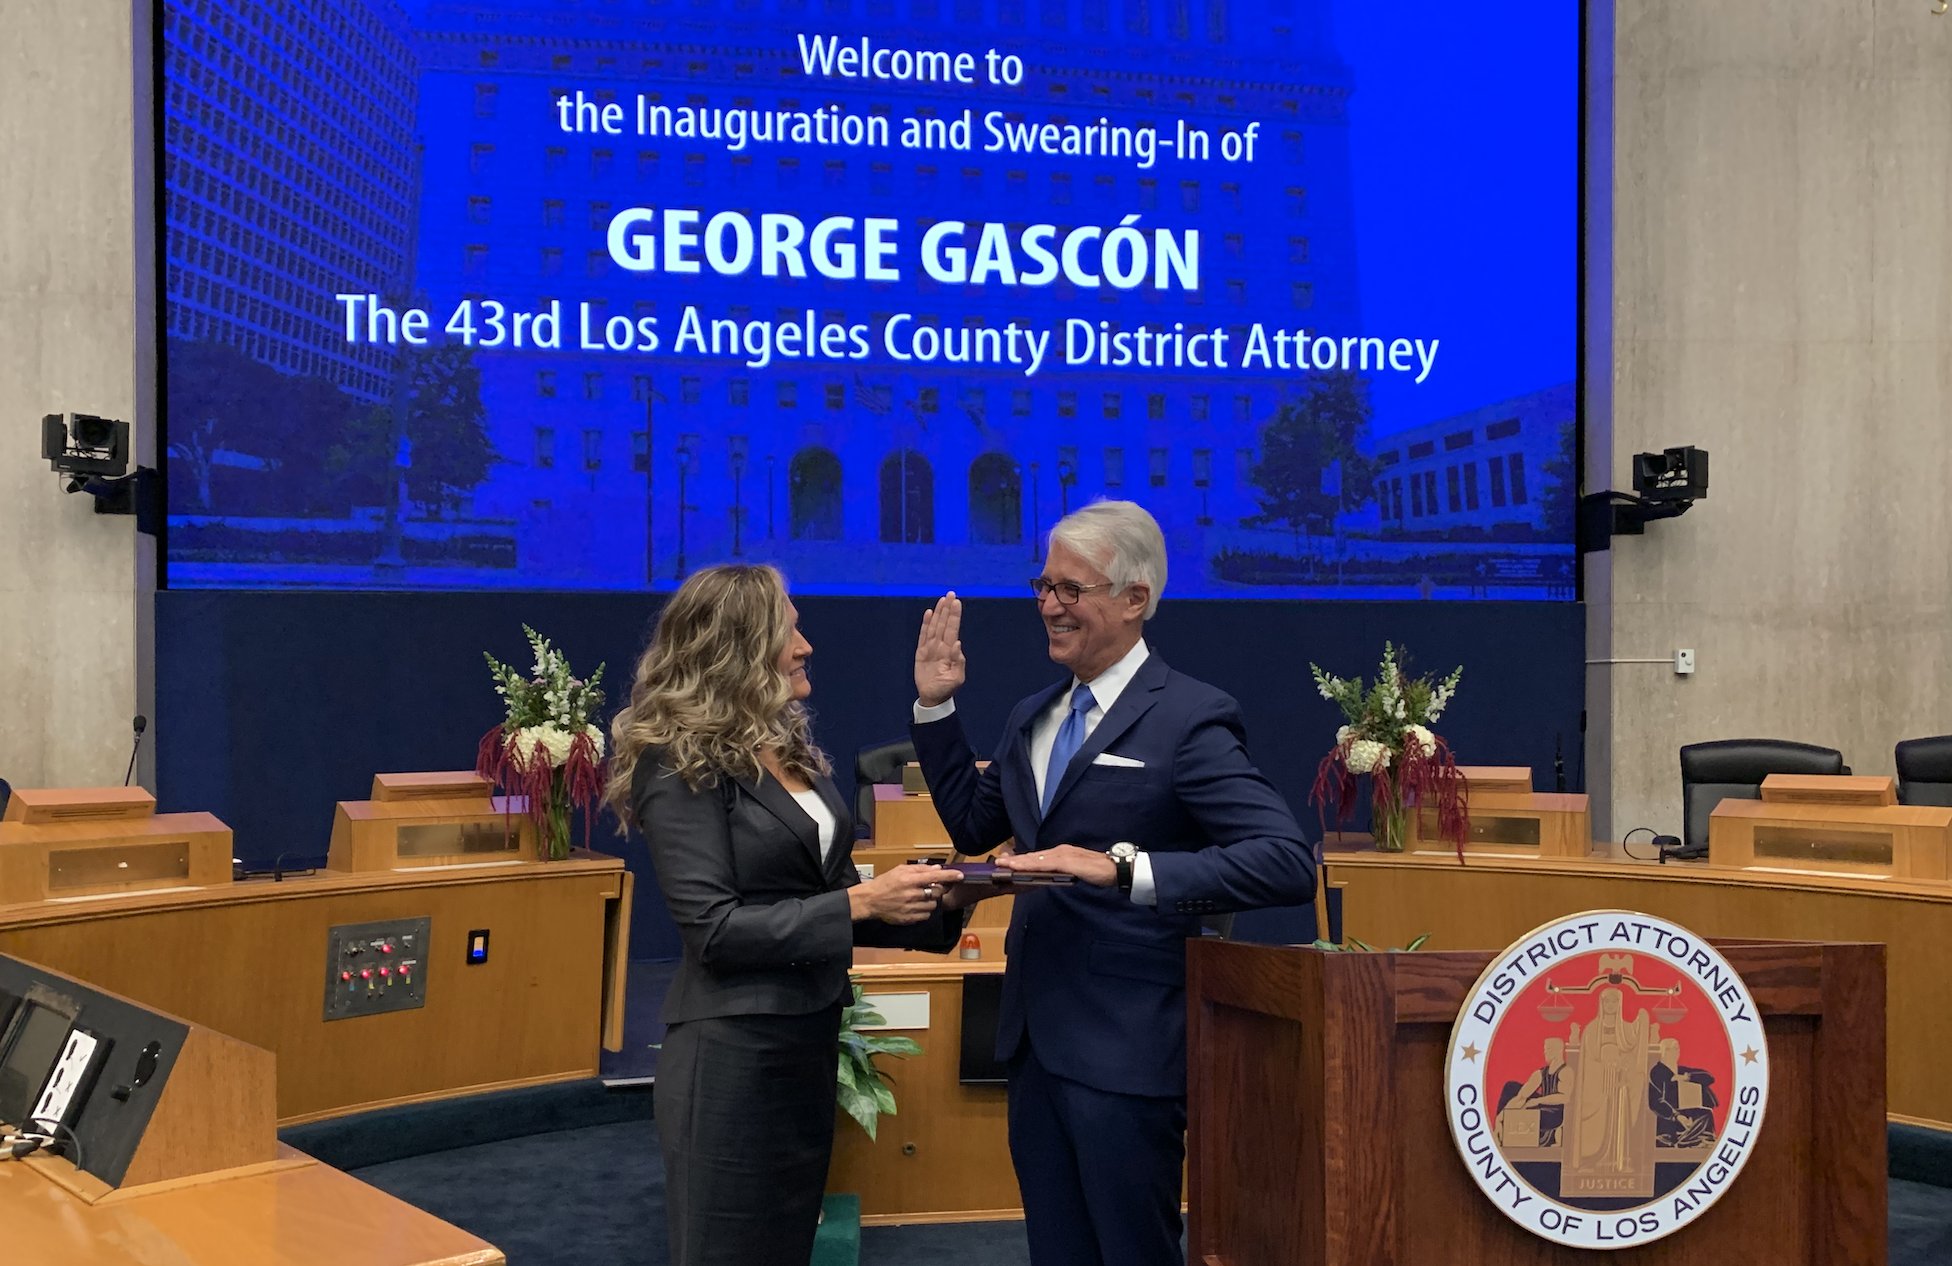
595	1197
1921	1224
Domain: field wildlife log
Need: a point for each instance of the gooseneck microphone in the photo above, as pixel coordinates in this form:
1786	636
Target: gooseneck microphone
1559	763
142	723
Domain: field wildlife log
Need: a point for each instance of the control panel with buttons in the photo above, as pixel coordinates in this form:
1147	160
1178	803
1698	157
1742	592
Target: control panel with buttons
372	968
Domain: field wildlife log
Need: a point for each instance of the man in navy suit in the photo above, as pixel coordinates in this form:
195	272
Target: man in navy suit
1135	781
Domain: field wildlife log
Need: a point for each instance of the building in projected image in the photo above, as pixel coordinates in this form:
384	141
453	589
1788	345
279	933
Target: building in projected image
1491	469
287	173
623	468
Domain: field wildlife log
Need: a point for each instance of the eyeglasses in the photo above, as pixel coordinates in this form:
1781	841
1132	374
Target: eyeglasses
1068	591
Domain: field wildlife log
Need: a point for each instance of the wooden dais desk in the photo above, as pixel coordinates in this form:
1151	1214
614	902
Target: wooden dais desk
248	960
294	1211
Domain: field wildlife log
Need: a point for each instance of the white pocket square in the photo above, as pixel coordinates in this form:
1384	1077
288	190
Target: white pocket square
1123	762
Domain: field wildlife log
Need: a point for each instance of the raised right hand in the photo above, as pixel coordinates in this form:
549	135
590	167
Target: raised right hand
939	665
907	894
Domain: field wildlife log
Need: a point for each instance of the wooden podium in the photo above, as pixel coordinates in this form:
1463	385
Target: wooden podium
1317	1136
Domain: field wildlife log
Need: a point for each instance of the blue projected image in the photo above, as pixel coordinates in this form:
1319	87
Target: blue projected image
533	294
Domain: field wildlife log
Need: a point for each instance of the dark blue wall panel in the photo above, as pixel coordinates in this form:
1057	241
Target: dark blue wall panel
272	706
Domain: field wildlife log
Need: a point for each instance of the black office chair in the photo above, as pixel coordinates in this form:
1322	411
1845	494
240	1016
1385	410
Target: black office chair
1734	769
1925	771
881	763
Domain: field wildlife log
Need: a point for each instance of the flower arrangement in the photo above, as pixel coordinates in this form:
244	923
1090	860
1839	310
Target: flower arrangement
864	1090
549	748
1388	738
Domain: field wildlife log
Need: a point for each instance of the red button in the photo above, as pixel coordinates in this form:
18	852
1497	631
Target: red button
366	973
386	949
386	971
345	975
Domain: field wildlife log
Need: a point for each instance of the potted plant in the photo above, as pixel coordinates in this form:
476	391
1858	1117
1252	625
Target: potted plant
1387	737
549	748
865	1090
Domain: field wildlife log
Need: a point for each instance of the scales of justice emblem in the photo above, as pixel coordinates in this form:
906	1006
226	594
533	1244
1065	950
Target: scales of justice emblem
1606	1079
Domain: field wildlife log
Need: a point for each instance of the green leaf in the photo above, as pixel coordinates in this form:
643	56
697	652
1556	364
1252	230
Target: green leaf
885	1098
1416	944
901	1047
863	1108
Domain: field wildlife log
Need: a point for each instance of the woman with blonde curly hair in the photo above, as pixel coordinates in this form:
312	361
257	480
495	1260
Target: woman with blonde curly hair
715	763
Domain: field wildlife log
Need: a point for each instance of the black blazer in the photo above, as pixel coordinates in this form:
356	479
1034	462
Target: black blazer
765	923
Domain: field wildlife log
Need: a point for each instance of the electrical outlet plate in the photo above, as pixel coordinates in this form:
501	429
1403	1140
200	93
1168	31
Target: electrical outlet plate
1684	661
64	1083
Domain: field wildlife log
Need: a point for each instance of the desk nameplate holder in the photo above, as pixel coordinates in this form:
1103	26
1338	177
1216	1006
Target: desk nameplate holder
416	821
1509	819
65	843
1833	825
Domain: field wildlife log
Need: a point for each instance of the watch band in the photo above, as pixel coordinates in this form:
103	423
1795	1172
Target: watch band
1124	867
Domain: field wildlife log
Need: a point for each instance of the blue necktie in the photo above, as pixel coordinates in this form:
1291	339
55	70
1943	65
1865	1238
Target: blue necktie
1070	737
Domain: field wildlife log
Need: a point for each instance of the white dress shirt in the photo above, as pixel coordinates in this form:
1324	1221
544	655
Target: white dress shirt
826	825
1106	687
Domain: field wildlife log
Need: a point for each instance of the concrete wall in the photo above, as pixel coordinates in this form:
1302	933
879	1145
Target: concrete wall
1780	294
69	339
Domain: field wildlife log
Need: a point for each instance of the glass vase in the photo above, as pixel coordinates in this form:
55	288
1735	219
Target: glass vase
1392	823
552	835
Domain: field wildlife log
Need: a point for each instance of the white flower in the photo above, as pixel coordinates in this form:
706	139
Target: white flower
1366	756
1343	735
1418	740
596	737
553	740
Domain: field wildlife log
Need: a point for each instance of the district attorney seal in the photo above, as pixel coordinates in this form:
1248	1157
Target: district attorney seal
1607	1078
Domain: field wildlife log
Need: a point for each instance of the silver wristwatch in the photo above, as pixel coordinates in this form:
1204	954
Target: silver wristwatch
1123	855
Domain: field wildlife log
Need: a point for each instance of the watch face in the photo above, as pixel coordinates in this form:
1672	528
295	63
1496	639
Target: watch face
1124	852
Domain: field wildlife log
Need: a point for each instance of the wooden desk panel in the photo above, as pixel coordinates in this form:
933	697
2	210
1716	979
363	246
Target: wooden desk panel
1491	902
295	1213
945	1155
248	960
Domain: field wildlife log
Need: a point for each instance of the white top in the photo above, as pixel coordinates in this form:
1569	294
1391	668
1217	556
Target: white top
825	824
1106	687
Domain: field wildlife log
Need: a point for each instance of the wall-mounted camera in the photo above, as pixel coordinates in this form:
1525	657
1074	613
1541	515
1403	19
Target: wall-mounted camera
1665	486
83	445
93	452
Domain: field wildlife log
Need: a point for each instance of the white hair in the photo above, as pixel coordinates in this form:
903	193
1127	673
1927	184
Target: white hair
1124	540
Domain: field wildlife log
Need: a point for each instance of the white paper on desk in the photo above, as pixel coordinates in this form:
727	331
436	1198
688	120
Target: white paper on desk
898	1010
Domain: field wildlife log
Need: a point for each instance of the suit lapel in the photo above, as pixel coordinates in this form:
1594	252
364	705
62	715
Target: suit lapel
1025	809
779	802
1134	702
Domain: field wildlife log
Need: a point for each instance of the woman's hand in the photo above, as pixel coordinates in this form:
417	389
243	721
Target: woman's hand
907	894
